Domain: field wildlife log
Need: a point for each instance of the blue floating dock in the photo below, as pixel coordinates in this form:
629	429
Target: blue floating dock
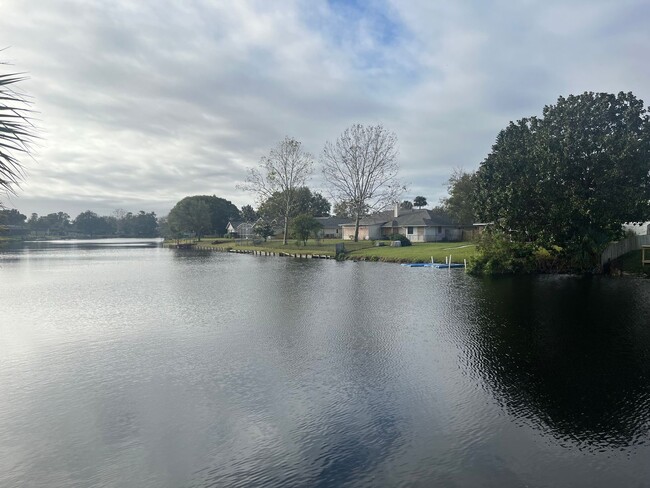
433	265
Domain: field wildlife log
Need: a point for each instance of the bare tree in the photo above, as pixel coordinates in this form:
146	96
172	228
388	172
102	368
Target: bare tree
281	173
17	131
361	169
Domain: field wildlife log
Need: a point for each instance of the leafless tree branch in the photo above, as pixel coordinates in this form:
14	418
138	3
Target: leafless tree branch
361	168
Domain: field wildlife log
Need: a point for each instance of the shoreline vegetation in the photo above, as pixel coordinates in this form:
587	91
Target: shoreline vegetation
627	265
356	251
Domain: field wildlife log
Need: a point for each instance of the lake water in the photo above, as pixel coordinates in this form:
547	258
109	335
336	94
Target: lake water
126	364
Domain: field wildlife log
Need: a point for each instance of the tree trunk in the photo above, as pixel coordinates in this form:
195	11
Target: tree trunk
286	229
356	228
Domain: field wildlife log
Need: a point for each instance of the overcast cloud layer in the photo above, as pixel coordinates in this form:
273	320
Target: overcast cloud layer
143	103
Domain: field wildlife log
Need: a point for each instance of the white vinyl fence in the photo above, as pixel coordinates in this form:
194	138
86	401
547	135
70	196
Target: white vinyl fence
616	249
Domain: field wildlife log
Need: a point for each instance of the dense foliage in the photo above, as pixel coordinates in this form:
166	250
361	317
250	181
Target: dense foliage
248	214
305	226
420	202
189	216
263	230
570	178
201	215
460	204
88	223
11	217
303	202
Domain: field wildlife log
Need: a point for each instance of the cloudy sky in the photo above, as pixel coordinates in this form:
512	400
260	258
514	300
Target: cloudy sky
143	103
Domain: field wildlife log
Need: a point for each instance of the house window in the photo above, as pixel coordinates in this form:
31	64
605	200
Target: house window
409	230
439	229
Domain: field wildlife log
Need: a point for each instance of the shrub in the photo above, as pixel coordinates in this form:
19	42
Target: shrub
400	237
498	254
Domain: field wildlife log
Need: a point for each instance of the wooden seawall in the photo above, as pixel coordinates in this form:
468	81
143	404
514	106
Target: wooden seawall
297	255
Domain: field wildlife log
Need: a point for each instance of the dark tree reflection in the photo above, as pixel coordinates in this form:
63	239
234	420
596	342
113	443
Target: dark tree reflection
569	354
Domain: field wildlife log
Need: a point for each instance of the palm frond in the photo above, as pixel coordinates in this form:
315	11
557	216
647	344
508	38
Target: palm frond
17	130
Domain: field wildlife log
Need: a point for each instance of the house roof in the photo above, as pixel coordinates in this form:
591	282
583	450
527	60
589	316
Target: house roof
333	221
406	218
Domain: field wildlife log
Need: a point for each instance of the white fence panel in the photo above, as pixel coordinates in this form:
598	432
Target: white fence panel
617	249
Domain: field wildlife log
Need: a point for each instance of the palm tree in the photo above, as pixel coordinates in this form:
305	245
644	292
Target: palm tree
17	131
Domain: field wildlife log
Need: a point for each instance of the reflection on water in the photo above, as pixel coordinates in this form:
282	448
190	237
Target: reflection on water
90	243
144	366
570	354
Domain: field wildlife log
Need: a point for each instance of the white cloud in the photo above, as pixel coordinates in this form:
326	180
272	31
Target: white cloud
144	103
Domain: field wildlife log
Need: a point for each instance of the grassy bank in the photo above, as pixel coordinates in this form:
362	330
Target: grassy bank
363	250
418	253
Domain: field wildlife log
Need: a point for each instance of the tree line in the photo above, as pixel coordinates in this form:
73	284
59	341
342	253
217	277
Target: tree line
120	224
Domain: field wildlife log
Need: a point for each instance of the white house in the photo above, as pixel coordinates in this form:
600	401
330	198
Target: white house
418	225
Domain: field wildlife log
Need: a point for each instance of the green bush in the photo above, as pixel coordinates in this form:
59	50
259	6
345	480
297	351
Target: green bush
498	254
400	237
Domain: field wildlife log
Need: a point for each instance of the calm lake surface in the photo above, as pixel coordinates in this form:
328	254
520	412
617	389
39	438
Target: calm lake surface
126	364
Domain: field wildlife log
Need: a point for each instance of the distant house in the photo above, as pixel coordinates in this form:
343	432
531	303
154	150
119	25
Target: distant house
240	230
418	225
332	226
245	230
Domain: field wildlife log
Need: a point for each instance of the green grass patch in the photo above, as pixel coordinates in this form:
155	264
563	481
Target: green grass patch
362	250
419	252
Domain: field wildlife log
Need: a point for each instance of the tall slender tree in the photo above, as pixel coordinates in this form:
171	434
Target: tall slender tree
420	201
361	168
286	168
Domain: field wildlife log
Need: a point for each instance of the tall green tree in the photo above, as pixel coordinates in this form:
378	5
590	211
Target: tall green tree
461	201
304	226
347	210
142	224
571	177
219	212
58	223
248	214
420	202
11	217
406	205
263	229
91	224
190	215
304	201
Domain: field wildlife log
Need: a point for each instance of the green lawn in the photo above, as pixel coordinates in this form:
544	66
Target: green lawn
419	252
362	250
